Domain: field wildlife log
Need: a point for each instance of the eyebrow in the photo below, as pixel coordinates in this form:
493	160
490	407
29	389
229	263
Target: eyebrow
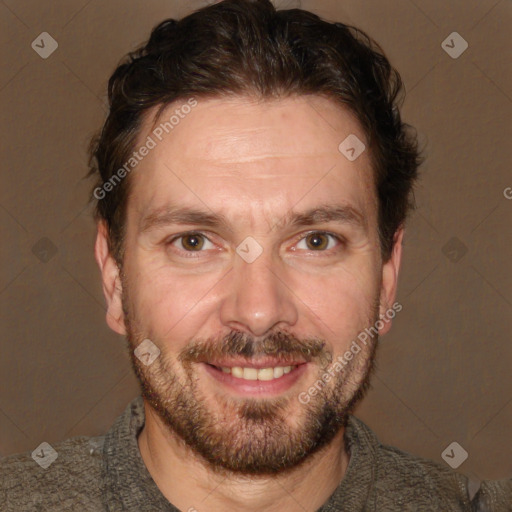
342	214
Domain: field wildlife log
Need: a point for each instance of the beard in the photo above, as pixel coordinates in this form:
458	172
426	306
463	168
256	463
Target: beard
250	436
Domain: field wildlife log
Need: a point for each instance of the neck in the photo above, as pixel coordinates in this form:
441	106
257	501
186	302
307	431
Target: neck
189	483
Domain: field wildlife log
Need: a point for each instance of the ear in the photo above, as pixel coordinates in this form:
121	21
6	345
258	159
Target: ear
390	270
112	288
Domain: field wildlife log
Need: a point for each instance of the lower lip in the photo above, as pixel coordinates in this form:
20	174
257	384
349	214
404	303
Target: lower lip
259	388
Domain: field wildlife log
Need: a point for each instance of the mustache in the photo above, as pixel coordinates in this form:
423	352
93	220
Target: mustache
282	344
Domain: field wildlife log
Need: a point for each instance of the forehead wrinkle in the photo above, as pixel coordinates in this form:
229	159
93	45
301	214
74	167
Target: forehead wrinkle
263	157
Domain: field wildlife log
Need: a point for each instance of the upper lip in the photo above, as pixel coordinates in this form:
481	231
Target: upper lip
258	363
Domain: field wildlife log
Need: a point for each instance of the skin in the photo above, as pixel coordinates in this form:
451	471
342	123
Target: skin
254	162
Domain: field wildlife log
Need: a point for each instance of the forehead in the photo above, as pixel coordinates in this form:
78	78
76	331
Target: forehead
224	150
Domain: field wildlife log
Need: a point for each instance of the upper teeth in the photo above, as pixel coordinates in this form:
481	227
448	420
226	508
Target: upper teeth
255	374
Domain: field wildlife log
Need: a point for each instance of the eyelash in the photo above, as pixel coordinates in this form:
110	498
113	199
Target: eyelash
189	254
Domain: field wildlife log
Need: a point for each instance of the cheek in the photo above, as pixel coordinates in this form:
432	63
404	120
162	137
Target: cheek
342	303
163	299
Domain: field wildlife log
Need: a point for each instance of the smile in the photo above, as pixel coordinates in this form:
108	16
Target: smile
258	379
248	373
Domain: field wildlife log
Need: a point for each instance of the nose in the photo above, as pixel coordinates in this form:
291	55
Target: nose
257	299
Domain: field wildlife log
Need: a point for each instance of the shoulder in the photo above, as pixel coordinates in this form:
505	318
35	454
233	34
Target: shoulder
66	476
416	478
403	480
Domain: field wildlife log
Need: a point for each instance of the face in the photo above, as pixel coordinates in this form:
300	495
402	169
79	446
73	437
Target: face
252	261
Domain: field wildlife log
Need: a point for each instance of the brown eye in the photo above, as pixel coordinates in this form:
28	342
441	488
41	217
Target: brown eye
317	241
185	244
193	242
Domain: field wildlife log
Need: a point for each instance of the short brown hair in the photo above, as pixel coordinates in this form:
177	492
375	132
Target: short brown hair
247	47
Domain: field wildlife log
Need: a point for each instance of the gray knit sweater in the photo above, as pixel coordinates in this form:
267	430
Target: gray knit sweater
107	473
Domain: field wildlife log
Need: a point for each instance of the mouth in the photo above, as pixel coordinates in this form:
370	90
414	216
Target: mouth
250	373
256	378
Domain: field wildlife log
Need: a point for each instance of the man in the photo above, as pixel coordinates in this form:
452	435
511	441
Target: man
253	180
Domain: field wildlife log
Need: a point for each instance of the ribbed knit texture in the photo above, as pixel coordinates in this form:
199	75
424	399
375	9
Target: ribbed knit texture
107	473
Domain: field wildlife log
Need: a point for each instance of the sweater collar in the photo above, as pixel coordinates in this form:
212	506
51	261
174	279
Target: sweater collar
129	485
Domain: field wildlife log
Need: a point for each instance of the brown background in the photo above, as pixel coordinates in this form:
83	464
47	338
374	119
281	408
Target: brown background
444	370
